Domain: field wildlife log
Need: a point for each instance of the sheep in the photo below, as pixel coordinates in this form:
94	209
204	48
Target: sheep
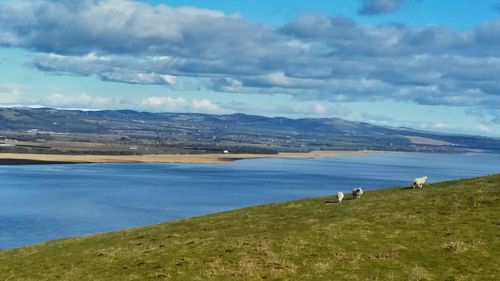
419	182
357	192
340	196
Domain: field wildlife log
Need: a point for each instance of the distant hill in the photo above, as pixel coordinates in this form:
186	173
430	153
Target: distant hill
444	231
127	131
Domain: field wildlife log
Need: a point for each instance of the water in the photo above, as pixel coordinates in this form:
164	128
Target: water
43	202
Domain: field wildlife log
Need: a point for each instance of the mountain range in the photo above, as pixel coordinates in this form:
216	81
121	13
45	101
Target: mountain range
48	130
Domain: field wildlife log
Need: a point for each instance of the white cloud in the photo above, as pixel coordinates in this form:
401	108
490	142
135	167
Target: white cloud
164	103
179	104
278	79
442	125
487	116
138	77
293	108
484	128
319	108
205	105
314	56
10	94
83	101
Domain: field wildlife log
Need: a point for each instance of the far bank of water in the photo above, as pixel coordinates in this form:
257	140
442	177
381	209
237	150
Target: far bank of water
42	202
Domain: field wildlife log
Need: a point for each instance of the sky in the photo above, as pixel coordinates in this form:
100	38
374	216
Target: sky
425	64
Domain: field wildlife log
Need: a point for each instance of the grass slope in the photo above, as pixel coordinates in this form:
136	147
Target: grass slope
444	231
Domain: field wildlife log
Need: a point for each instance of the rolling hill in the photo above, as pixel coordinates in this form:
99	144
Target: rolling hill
444	231
47	130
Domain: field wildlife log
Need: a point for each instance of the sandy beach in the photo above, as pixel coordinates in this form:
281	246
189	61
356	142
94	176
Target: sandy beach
20	158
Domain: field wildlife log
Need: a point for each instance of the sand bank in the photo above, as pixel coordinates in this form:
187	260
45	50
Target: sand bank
21	158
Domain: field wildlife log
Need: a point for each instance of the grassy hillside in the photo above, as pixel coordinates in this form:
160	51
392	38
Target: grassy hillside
445	231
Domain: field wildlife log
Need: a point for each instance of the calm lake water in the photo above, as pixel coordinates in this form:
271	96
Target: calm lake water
43	202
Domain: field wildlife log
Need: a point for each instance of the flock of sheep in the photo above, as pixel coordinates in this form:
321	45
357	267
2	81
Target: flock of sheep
357	192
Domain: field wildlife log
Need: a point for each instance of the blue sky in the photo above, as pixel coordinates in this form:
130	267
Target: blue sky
459	14
424	64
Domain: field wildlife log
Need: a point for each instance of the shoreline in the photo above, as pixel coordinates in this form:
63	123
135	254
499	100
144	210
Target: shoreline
46	159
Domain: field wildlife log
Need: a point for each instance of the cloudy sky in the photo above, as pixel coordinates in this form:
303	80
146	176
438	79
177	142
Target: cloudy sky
426	64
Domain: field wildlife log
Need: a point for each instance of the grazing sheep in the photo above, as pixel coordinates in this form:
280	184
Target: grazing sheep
340	196
419	182
357	192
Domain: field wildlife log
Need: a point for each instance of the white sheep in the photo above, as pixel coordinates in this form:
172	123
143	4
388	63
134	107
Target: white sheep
419	182
340	196
357	192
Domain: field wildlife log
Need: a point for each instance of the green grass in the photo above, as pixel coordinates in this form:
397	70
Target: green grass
445	231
